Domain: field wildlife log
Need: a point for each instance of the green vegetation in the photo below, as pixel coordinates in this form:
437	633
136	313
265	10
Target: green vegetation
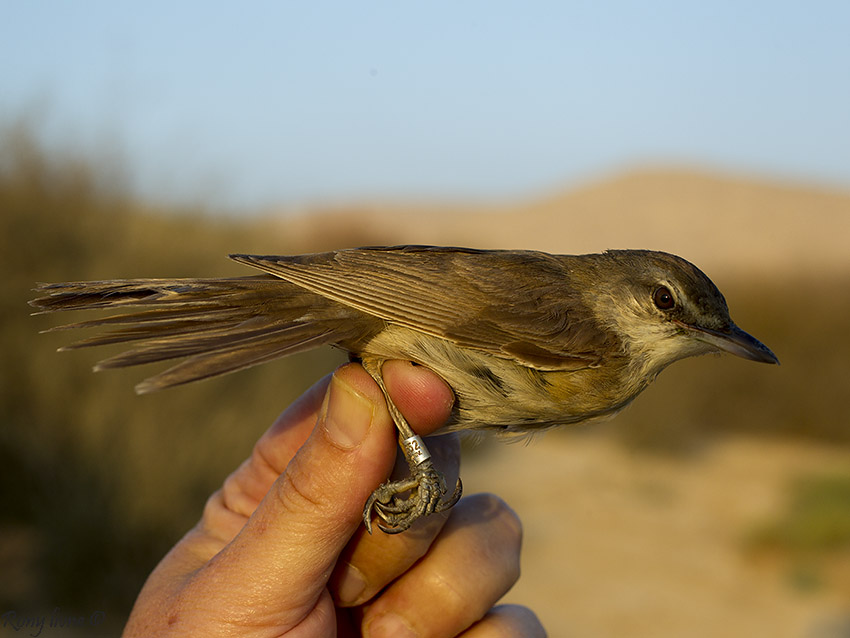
817	518
812	534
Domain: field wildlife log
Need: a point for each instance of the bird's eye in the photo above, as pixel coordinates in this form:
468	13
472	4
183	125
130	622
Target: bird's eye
663	298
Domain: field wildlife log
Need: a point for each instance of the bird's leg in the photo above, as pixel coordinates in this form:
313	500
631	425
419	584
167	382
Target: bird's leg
426	485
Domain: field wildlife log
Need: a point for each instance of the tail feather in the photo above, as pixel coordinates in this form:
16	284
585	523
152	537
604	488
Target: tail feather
211	342
191	313
217	325
84	295
135	332
213	364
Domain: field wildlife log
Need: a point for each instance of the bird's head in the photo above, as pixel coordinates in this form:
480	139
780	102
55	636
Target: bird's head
666	309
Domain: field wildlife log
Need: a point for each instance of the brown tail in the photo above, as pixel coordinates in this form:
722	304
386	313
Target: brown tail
218	325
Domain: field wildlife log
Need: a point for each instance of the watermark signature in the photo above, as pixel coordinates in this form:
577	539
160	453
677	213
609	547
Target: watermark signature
34	624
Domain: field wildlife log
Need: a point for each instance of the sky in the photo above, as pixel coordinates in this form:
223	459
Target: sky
252	105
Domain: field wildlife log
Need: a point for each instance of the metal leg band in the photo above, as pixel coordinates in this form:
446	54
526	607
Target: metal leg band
415	450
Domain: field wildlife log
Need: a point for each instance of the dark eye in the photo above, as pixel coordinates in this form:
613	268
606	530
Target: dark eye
663	299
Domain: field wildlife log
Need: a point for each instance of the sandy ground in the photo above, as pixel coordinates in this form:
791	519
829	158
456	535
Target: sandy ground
619	543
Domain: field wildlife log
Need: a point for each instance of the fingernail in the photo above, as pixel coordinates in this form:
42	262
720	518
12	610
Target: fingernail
348	414
350	585
390	625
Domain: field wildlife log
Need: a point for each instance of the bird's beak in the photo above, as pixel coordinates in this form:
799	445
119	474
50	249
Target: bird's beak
735	341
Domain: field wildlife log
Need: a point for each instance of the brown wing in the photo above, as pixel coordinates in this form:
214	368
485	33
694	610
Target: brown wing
513	304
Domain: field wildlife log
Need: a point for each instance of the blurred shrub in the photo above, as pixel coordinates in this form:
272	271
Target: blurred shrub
96	482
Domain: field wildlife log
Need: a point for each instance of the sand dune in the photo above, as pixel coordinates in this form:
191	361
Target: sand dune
720	222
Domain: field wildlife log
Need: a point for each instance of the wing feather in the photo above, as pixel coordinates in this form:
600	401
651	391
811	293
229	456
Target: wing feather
514	304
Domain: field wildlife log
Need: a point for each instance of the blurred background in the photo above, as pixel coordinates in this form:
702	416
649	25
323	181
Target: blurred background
153	141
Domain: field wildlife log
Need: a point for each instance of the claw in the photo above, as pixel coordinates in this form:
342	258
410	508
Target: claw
396	514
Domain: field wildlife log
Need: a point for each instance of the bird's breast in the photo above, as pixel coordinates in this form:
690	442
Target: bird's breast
497	393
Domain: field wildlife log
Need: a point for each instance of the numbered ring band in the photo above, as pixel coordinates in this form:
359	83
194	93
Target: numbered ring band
415	450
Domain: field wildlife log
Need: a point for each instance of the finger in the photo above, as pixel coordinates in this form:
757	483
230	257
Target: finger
286	550
424	398
421	395
370	562
470	565
507	621
228	510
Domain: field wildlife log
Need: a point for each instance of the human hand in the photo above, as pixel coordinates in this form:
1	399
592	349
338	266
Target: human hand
281	550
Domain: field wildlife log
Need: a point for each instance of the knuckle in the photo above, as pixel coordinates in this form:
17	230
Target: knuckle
510	620
509	525
512	524
295	492
503	540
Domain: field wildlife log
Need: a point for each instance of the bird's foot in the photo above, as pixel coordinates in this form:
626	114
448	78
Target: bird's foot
395	514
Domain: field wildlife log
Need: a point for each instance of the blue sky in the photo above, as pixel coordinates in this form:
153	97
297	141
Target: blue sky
244	105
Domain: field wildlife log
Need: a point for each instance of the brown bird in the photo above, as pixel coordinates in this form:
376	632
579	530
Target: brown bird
527	340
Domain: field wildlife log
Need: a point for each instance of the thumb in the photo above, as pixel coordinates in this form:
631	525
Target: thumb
281	560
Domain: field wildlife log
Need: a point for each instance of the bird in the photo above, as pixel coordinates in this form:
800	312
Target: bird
526	340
